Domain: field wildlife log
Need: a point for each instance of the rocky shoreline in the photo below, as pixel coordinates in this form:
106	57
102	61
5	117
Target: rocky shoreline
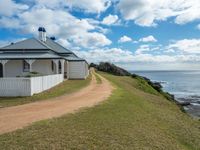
190	105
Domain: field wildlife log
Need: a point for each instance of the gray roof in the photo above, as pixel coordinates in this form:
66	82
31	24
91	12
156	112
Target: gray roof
56	47
36	44
73	58
28	44
29	56
35	49
37	56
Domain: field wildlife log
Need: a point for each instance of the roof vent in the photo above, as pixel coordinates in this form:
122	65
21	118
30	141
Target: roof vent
42	34
53	38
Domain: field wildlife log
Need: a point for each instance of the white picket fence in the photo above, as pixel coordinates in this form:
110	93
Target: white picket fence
11	87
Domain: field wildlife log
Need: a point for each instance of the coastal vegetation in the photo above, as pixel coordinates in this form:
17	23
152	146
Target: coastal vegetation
135	116
115	70
31	74
110	68
155	85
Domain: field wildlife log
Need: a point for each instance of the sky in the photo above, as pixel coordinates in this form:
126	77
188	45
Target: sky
134	34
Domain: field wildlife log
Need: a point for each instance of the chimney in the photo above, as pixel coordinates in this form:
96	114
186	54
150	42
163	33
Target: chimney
53	38
42	34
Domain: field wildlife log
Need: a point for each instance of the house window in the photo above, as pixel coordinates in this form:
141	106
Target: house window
52	66
26	66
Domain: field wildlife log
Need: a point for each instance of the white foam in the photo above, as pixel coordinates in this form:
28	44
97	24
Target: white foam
195	72
195	104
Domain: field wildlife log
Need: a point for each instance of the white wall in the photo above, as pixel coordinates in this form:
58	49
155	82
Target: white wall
14	68
15	87
39	84
87	71
43	67
28	86
78	70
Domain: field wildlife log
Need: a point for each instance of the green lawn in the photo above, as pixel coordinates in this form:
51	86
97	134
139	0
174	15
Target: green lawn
66	87
129	119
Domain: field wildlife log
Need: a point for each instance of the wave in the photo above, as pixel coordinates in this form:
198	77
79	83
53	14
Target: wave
192	73
159	81
186	94
195	104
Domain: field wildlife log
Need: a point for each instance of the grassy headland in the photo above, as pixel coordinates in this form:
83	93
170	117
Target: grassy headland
67	87
136	116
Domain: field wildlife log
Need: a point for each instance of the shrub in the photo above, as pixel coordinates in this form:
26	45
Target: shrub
110	68
30	74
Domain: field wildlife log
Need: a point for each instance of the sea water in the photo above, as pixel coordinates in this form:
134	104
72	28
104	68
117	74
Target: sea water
184	85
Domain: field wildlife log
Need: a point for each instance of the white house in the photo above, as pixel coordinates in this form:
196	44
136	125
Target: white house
43	55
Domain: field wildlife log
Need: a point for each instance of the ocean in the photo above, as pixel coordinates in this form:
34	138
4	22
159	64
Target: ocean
184	85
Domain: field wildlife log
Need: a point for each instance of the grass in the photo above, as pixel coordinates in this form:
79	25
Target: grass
143	85
99	81
129	119
67	87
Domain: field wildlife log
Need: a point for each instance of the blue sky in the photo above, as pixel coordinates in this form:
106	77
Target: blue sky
134	34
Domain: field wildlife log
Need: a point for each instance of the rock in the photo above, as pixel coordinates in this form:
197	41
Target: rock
183	103
157	86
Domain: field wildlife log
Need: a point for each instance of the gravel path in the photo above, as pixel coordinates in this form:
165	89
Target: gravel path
16	117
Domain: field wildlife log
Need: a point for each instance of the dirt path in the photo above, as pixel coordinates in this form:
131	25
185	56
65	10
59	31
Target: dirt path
17	117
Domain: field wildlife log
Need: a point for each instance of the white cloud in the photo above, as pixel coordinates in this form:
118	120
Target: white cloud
107	54
155	58
148	39
110	20
7	42
145	57
4	43
186	45
198	26
52	4
6	22
90	6
124	39
117	55
147	49
78	31
60	23
92	40
169	51
149	12
9	7
142	49
64	25
75	33
65	43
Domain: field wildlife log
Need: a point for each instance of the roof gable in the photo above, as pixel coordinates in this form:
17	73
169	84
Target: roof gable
28	44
